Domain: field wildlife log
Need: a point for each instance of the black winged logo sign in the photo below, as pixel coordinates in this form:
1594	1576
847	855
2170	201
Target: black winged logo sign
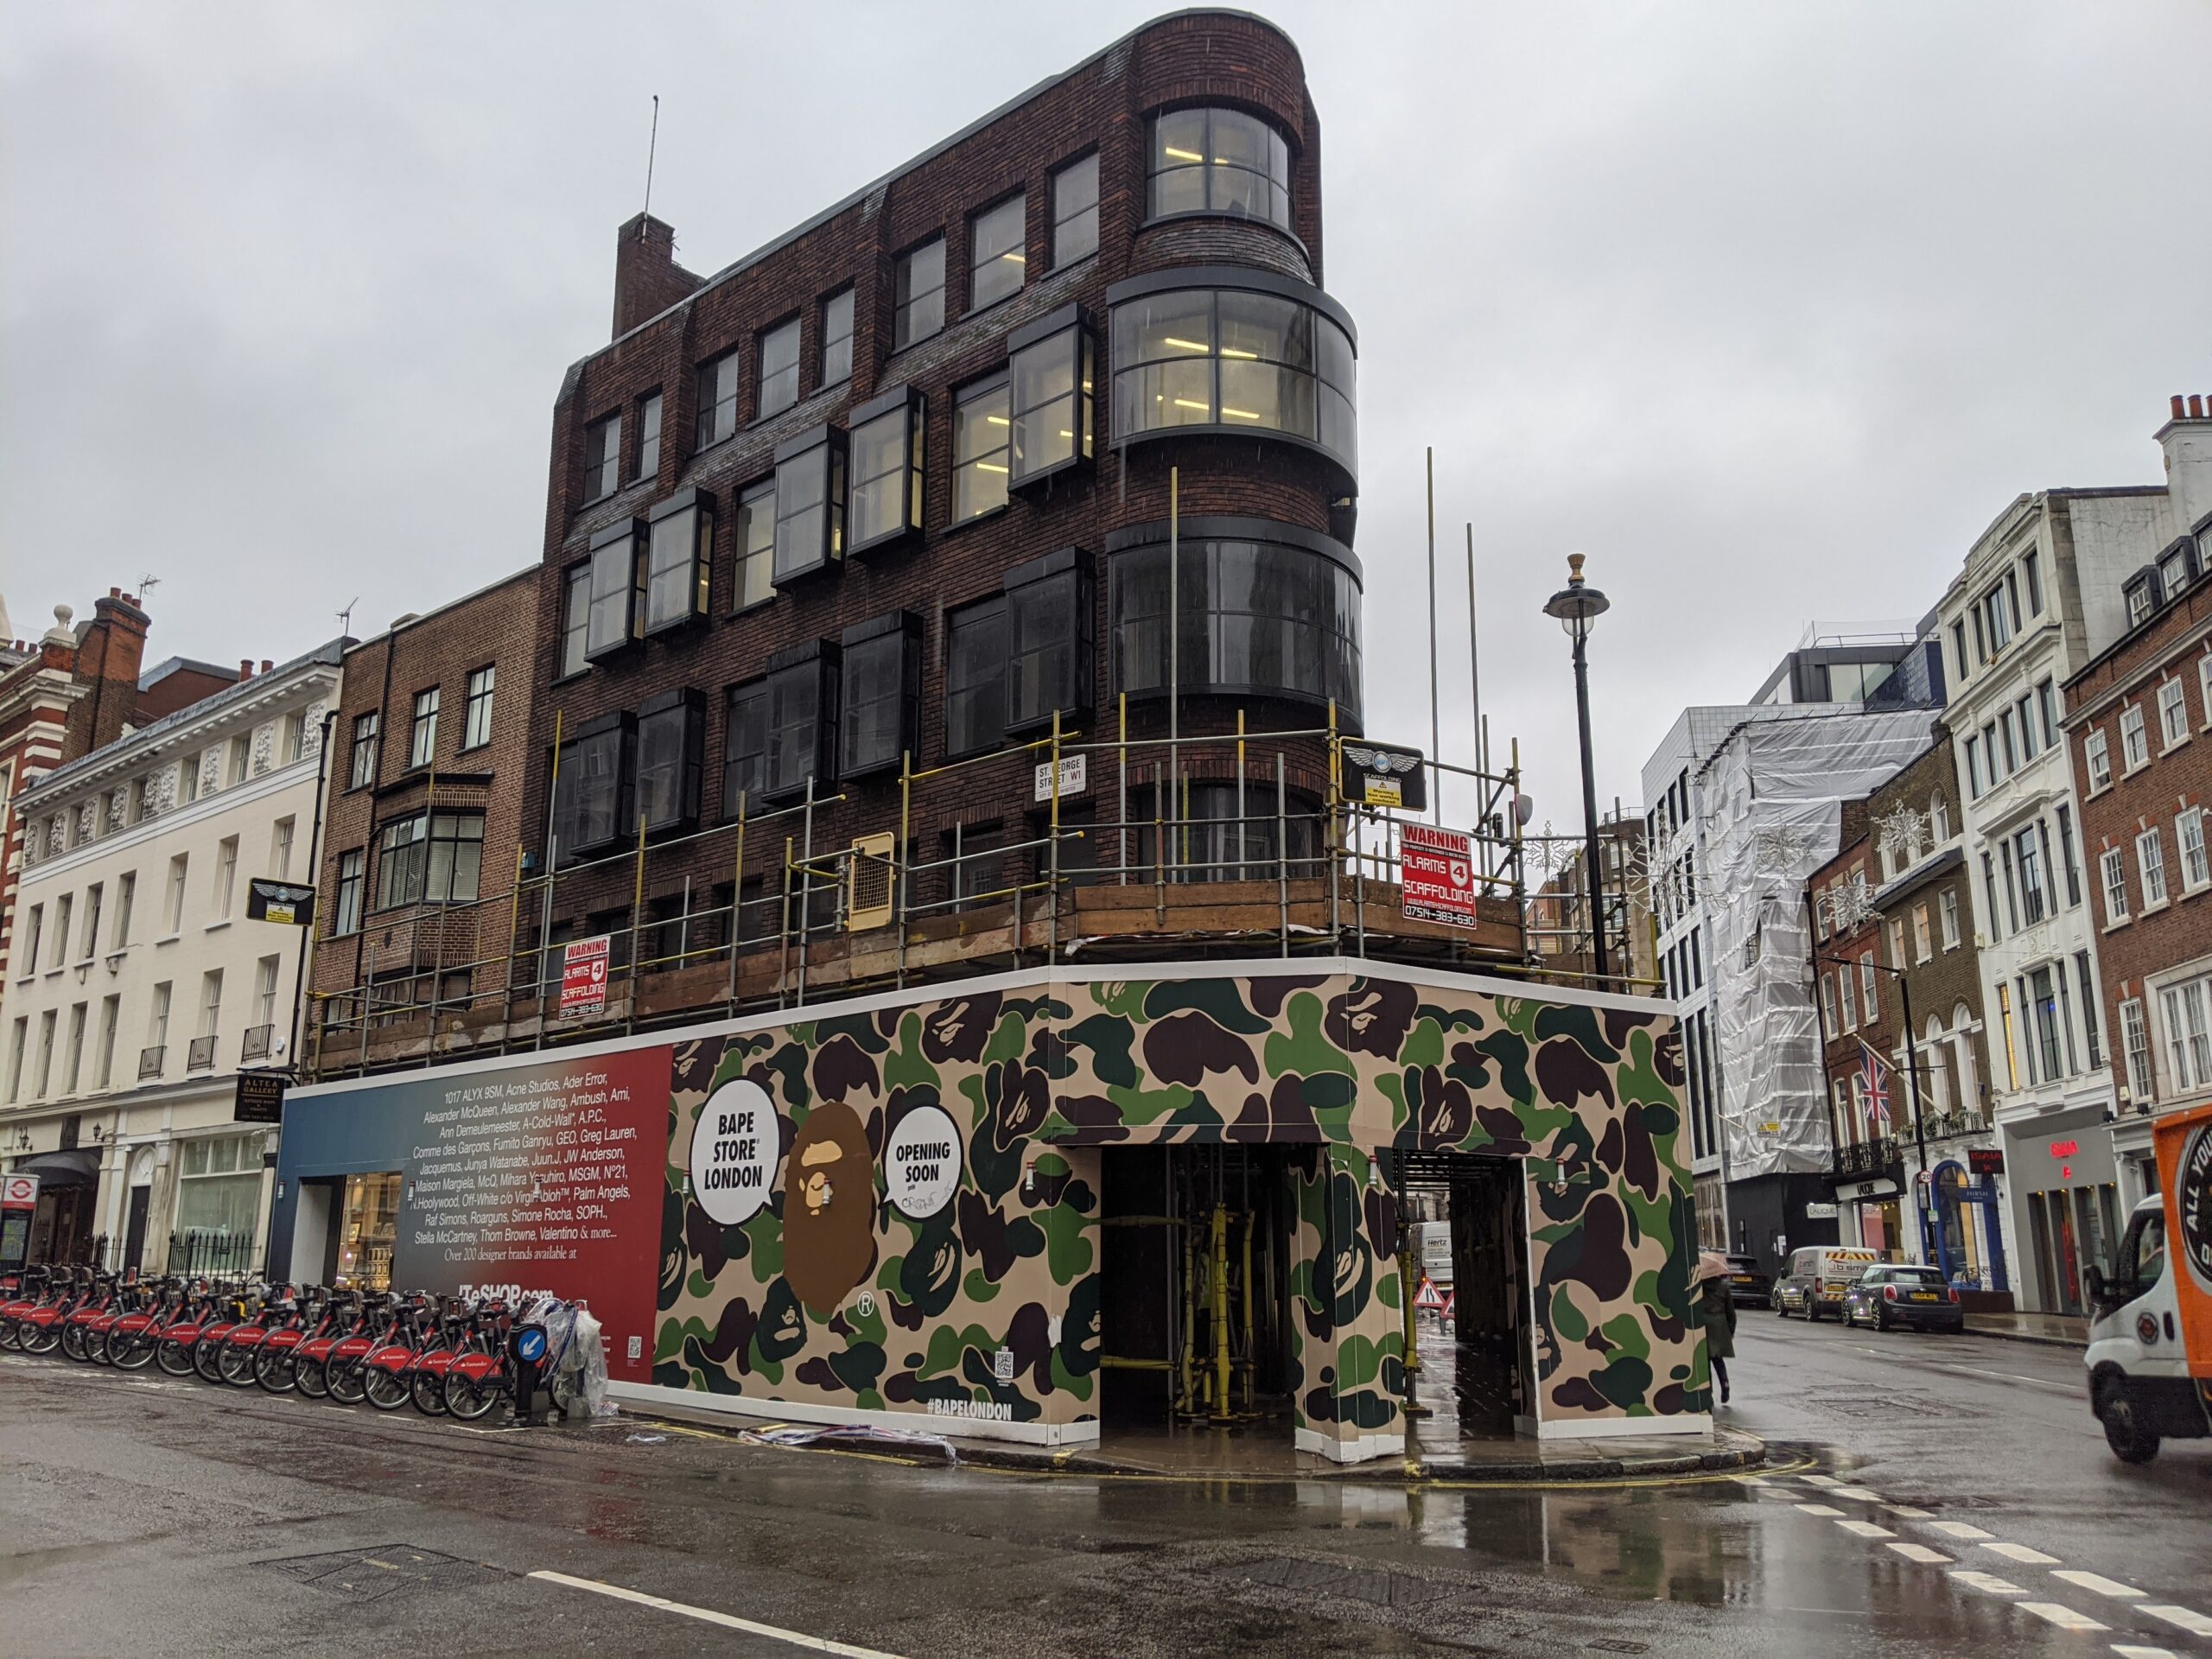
1381	774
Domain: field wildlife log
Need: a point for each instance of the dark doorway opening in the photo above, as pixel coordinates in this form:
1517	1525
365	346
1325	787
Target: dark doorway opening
1194	1315
1477	1376
134	1229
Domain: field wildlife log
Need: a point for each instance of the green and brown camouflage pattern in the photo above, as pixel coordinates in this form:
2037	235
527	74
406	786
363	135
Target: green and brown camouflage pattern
1041	1070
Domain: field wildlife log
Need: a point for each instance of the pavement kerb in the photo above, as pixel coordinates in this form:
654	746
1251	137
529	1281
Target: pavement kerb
2068	1343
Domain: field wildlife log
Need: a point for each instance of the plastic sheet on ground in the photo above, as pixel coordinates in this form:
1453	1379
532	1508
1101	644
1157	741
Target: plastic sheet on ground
800	1435
1772	797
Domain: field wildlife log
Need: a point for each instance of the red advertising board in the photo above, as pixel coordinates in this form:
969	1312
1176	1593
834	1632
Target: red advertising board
1437	870
583	978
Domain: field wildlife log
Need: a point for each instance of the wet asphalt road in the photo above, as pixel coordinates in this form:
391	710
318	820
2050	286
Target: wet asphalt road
139	1515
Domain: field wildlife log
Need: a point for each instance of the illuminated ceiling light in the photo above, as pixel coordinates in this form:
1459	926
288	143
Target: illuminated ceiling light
1185	345
988	466
1185	403
1240	414
1183	155
1248	357
998	420
1065	433
1017	259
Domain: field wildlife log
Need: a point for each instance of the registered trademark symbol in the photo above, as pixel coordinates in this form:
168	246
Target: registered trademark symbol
866	1304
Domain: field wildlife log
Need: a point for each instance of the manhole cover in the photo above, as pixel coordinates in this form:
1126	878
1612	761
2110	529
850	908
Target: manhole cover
372	1573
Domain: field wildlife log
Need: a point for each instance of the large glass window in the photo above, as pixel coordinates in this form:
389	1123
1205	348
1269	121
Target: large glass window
996	261
756	546
678	548
887	467
648	436
1075	212
615	573
981	427
780	368
1051	402
363	770
345	913
422	744
1256	616
1047	643
717	401
919	294
218	1190
2189	1034
576	621
837	338
602	457
779	728
591	807
811	505
434	857
1250	362
1219	161
975	677
476	726
671	735
882	672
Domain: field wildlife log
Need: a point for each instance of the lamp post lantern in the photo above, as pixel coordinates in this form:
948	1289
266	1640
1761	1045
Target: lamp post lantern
1578	606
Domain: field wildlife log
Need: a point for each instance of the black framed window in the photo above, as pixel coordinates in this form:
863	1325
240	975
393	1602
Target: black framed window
432	857
882	667
363	770
1051	402
476	719
810	503
974	676
997	260
602	457
1047	641
671	738
756	545
1219	161
345	912
981	434
1226	357
717	401
591	788
423	737
1256	617
781	729
919	294
679	549
648	436
1075	211
837	338
617	576
576	621
886	468
778	367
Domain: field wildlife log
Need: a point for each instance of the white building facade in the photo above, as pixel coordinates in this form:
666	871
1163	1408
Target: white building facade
2039	595
138	988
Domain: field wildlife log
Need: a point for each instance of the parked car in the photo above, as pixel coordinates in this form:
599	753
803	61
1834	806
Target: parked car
1918	1297
1749	1284
1815	1277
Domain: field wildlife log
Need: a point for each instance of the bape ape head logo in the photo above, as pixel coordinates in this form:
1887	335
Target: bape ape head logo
828	1207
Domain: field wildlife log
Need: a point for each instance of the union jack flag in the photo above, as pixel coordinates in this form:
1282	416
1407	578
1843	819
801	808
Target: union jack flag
1874	1073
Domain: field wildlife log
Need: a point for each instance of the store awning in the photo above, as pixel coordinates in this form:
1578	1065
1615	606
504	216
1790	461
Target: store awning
62	1168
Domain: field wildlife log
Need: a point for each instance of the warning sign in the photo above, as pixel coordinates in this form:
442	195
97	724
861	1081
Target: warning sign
583	978
1451	1302
1437	870
1428	1298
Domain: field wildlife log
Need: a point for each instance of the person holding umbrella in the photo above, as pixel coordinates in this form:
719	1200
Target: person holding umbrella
1713	1307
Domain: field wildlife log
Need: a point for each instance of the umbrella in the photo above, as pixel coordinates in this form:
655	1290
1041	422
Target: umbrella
1711	1264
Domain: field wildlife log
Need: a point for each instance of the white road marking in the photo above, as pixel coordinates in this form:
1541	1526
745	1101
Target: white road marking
1858	1493
2098	1583
1821	1480
1909	1512
2181	1618
1749	1480
2023	1555
1988	1582
1961	1529
2058	1613
1820	1509
1865	1529
1922	1553
728	1621
2013	1376
2130	1650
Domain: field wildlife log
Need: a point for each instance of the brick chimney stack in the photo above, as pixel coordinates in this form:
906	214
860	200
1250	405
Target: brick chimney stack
647	279
2187	440
109	659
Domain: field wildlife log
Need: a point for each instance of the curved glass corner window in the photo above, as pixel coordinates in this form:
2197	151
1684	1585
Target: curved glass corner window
886	476
810	508
679	549
1051	404
1219	161
615	613
1222	358
1256	617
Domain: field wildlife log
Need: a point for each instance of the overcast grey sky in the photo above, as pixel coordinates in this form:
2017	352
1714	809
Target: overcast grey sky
1767	309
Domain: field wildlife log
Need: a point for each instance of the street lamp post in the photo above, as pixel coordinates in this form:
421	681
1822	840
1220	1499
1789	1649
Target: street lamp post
1578	606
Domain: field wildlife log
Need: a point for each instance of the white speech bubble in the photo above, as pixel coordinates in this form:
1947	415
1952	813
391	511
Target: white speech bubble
921	1163
735	1146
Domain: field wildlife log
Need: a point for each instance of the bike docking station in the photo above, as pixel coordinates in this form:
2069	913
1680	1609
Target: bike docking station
526	1347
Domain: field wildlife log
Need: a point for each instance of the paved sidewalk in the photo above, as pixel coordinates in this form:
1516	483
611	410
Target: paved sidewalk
2051	1329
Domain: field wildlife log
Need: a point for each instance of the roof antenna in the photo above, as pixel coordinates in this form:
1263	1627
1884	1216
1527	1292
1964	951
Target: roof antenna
147	583
652	145
346	617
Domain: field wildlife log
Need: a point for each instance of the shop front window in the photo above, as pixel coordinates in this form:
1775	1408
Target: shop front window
368	1229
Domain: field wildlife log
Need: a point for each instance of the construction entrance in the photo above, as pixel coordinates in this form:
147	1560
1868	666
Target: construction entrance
1475	1377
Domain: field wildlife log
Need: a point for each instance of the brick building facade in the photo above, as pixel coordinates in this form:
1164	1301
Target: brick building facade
1894	924
2139	720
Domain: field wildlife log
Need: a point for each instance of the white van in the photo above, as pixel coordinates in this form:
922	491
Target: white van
1814	1279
